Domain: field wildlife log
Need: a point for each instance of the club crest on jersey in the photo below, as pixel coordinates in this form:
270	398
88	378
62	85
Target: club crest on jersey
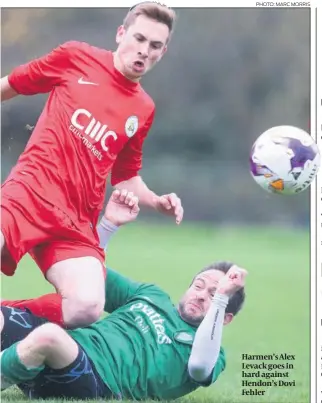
131	126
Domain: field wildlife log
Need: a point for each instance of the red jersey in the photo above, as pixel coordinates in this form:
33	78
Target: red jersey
94	123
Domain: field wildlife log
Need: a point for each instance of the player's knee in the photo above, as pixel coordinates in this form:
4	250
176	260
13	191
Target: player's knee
47	338
83	312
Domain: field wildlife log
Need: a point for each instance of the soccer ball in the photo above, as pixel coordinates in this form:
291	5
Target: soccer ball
284	160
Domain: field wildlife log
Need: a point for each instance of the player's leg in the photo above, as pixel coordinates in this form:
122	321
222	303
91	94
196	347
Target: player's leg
45	345
76	269
79	380
55	364
81	283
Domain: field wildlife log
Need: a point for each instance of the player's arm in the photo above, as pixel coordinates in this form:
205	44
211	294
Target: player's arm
207	359
40	75
125	175
7	92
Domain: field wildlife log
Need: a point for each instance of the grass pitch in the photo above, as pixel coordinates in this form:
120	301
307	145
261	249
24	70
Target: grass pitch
276	315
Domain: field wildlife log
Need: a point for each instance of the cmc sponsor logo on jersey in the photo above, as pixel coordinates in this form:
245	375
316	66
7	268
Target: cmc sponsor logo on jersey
156	320
86	127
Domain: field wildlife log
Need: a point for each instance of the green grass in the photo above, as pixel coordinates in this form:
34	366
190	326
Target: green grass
275	318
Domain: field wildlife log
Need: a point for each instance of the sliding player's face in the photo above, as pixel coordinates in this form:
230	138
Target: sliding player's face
141	46
196	301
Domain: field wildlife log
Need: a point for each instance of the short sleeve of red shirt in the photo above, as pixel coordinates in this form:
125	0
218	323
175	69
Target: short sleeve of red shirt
129	161
43	74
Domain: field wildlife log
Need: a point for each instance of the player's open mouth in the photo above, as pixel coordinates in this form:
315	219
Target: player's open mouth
138	65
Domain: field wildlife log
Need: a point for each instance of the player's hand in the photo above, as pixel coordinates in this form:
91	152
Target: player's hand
233	281
122	207
170	204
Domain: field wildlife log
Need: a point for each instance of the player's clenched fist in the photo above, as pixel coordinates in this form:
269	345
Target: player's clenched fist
122	207
233	280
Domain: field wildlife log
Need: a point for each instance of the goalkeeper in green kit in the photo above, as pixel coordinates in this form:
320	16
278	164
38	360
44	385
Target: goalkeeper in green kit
146	348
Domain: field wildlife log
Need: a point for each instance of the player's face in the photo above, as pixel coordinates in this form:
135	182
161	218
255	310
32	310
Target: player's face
140	46
196	301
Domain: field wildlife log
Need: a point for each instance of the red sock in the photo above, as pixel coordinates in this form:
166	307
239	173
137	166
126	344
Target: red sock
47	306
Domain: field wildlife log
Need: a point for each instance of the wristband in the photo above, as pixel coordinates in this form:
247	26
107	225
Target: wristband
108	225
105	230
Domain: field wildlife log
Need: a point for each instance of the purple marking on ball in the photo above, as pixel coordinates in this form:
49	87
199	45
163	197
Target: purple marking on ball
258	169
301	152
253	167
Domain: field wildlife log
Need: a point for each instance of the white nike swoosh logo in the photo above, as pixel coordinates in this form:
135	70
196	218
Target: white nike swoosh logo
82	81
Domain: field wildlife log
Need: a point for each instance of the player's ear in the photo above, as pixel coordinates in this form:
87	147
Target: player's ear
119	34
228	318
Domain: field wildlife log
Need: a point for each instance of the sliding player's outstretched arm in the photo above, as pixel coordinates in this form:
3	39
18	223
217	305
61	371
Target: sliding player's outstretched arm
207	359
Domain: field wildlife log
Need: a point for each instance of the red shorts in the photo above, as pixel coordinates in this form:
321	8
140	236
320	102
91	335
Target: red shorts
32	225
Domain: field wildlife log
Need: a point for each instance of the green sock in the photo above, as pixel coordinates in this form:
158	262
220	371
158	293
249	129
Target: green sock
13	370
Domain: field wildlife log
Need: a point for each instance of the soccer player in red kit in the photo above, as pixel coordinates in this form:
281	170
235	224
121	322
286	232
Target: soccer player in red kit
94	124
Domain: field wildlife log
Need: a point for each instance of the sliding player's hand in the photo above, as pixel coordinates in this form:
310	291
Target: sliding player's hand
122	207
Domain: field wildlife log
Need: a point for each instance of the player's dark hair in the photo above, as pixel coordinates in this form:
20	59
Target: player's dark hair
153	10
236	302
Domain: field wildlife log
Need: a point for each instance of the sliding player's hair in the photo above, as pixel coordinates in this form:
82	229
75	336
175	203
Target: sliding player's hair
153	10
236	302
